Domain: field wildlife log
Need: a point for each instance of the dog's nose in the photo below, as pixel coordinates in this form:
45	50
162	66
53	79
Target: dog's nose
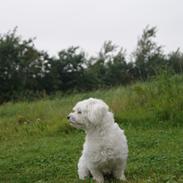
68	117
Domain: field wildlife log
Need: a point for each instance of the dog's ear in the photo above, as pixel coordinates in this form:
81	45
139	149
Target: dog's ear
97	111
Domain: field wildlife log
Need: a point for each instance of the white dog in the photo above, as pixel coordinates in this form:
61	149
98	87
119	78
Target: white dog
105	150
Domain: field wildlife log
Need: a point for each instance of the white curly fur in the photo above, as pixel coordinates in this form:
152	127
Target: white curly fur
105	150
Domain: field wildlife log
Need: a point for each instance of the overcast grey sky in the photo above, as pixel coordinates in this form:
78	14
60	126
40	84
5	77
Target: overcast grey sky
58	24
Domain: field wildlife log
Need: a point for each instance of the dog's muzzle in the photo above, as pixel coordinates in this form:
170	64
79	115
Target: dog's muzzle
71	118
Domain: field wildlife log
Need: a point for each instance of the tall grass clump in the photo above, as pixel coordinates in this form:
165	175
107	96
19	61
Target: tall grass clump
167	101
148	103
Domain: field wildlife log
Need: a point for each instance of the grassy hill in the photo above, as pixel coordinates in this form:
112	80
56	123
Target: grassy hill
38	145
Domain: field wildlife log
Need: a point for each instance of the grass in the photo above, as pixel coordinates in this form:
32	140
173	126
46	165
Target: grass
38	145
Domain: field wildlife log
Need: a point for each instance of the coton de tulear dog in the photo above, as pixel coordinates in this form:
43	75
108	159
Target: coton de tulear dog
105	150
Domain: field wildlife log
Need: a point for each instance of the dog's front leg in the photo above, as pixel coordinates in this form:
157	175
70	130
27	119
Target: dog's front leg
83	171
97	175
118	171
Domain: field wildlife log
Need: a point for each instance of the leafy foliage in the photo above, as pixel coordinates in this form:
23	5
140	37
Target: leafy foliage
21	66
26	72
148	56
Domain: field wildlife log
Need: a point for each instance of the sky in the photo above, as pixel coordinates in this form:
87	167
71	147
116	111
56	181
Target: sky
59	24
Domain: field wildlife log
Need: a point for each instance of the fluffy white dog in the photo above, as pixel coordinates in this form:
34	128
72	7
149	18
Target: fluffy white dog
105	150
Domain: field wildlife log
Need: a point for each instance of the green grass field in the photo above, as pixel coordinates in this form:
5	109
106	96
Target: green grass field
38	145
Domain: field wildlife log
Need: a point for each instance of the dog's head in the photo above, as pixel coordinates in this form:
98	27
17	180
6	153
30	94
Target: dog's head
88	113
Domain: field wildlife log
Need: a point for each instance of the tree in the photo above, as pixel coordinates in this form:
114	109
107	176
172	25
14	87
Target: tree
110	65
175	61
21	65
70	67
148	56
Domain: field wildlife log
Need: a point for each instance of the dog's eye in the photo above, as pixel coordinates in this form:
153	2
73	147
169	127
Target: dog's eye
79	112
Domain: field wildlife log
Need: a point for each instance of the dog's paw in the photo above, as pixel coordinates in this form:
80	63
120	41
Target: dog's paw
99	179
123	178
